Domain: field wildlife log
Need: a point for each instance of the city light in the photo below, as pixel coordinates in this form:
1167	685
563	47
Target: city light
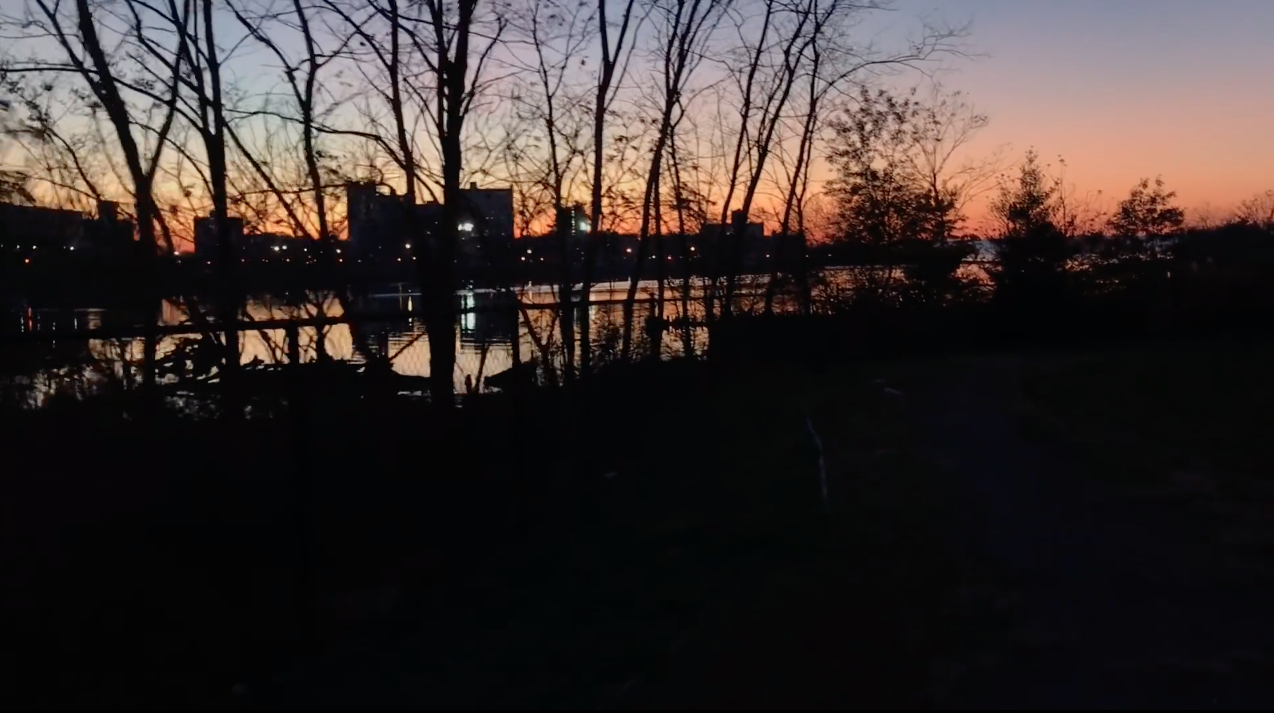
408	246
275	248
628	250
466	227
338	251
583	225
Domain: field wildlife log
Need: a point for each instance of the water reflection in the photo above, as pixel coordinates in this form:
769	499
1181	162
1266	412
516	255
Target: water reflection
494	329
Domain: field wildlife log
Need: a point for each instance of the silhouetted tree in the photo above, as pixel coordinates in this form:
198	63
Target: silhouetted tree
13	183
611	66
896	208
683	29
1257	210
1147	212
553	108
1033	253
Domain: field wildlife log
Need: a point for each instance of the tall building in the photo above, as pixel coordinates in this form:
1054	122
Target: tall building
485	218
370	218
34	230
31	231
380	228
740	240
571	222
110	232
207	241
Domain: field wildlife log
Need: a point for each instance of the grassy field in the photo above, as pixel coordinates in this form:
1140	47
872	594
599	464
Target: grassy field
1205	408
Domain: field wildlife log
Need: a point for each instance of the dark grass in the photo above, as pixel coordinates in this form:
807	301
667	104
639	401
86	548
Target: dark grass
1193	404
877	605
160	559
488	561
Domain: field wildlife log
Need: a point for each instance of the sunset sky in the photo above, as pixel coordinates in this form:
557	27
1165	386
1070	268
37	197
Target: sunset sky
1126	88
1122	89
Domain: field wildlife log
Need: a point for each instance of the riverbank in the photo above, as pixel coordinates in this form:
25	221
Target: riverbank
168	558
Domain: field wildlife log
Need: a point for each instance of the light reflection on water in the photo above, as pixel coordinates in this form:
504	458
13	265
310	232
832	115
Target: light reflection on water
489	326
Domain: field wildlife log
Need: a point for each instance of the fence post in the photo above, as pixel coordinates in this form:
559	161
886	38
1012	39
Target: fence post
293	337
320	342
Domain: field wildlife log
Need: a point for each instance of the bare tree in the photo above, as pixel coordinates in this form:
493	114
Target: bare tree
684	28
808	27
1257	210
612	67
140	116
424	63
553	108
458	70
140	120
301	75
1076	214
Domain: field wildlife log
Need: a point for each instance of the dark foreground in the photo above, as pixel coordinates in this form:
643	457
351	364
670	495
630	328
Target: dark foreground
1035	530
1057	532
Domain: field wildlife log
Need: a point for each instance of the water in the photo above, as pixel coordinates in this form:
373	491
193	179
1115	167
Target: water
491	328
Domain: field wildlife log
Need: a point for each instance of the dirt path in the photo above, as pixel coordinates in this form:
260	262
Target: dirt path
1119	603
1099	598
